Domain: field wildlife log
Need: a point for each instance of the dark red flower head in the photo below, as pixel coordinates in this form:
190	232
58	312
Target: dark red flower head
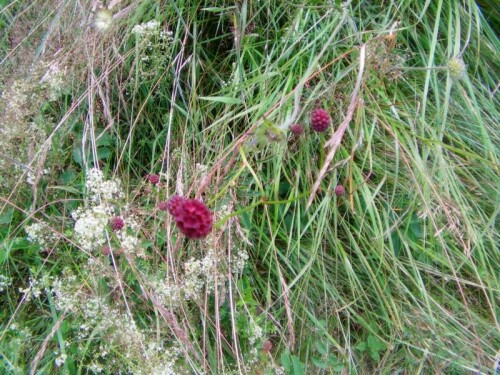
117	223
339	190
174	204
192	216
297	129
163	205
153	179
320	120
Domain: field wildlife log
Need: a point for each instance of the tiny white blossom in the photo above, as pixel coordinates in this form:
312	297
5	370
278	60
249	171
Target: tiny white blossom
146	28
103	20
59	361
90	226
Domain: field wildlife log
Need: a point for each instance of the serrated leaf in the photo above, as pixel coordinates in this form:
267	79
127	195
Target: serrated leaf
376	346
319	363
322	347
361	346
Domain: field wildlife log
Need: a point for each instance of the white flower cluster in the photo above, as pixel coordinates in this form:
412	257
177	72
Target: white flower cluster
200	273
91	222
117	329
40	233
100	189
55	80
147	28
66	292
167	293
90	225
59	361
199	276
31	176
239	262
255	339
130	245
5	282
35	288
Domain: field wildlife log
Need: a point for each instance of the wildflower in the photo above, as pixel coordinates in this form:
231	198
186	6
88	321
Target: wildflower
339	190
146	28
153	179
457	68
174	205
163	205
297	129
191	216
267	346
99	189
89	226
320	120
117	223
59	361
103	20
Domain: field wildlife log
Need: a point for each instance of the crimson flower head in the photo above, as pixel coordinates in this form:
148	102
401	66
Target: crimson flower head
153	179
191	216
163	205
297	129
320	120
339	190
117	223
174	205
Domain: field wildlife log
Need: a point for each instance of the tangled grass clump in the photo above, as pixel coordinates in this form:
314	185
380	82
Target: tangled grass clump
368	248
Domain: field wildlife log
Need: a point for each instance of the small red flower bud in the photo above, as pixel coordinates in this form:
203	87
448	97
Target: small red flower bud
297	129
153	179
117	223
339	190
163	205
267	346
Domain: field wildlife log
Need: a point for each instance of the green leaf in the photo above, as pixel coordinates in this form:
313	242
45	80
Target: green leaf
362	346
6	217
221	99
285	361
104	139
68	176
376	346
322	347
103	153
298	367
319	363
77	156
67	189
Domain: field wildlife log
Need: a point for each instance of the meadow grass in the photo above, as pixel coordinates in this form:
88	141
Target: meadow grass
399	274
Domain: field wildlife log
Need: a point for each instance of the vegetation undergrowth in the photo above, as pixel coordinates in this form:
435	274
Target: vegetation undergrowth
365	242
